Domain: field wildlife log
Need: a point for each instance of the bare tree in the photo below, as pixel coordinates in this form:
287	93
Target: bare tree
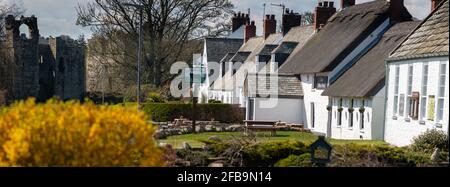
5	10
170	27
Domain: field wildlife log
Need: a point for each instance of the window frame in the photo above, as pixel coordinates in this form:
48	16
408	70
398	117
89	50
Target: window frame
440	97
424	95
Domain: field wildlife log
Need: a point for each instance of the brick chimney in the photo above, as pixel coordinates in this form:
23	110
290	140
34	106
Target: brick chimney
290	20
435	4
270	25
396	8
250	31
240	20
324	11
347	3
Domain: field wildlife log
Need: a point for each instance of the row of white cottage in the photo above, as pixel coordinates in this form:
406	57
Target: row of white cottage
366	71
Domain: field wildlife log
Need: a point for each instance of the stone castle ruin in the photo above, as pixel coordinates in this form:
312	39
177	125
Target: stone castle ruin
39	67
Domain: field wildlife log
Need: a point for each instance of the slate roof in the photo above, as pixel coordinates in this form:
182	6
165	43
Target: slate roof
367	76
283	86
217	48
343	32
431	38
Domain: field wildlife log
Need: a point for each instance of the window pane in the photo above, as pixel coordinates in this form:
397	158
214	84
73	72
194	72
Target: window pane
425	80
402	105
440	112
395	104
441	91
423	108
410	79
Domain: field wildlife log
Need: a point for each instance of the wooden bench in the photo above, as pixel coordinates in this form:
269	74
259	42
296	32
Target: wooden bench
270	126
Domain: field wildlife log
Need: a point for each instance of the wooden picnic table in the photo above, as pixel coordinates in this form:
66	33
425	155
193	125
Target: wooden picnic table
271	126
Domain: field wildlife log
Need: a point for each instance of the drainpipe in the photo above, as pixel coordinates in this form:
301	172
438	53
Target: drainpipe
386	84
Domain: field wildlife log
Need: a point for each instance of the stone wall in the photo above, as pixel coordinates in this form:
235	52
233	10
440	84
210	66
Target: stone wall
70	68
33	66
21	56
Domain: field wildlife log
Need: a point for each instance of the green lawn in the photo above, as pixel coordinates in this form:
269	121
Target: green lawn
195	139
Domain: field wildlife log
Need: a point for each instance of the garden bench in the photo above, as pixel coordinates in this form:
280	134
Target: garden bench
270	126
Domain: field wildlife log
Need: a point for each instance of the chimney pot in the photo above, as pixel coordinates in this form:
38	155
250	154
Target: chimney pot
396	10
239	20
249	31
322	13
290	20
270	25
435	4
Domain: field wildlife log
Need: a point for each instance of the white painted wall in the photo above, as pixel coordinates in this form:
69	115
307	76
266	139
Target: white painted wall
373	118
398	131
287	110
321	103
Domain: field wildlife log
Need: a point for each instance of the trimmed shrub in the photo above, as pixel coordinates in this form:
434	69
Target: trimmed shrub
163	112
430	140
74	134
267	154
303	160
154	97
353	155
110	98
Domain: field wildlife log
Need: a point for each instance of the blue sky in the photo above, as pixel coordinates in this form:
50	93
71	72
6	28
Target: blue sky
58	17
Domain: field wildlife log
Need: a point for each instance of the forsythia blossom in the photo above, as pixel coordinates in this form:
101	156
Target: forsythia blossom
74	134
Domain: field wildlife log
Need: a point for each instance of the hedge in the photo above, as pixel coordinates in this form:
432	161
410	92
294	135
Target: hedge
164	112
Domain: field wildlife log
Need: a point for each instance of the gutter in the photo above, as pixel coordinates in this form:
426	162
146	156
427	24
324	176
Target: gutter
385	100
414	57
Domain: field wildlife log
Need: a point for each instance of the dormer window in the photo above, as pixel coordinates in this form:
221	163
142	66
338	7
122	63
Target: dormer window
321	82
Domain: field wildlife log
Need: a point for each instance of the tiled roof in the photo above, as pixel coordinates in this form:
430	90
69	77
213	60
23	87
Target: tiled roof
265	85
430	38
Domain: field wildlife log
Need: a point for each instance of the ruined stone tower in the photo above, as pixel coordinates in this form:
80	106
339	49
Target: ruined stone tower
21	56
70	67
42	67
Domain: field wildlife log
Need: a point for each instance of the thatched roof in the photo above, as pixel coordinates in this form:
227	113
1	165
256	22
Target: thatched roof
367	76
342	33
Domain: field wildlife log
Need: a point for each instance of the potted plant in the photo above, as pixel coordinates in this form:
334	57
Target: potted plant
362	109
351	110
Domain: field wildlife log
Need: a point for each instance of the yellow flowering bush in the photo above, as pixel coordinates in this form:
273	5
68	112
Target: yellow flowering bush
75	135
